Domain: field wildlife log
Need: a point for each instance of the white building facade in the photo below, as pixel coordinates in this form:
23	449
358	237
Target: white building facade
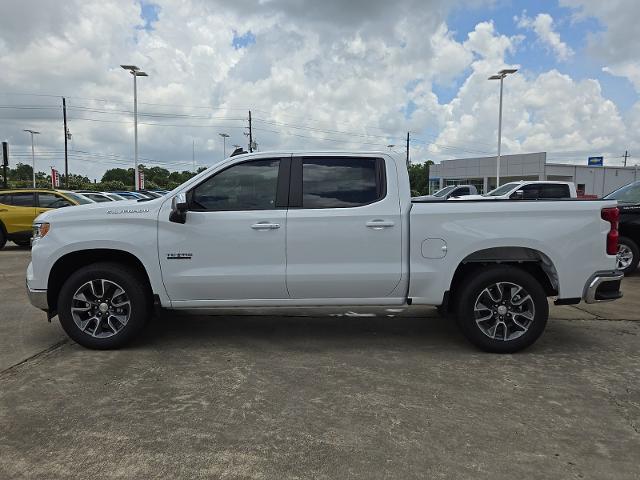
481	172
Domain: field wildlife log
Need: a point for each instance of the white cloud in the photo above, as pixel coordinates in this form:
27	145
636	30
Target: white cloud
316	69
548	112
543	27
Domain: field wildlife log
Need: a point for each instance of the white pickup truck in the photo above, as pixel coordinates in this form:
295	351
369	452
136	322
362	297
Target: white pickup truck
320	229
527	190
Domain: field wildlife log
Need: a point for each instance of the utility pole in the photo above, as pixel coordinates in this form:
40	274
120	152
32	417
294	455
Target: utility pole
407	150
626	155
193	154
5	162
500	76
136	72
66	137
250	134
33	155
224	144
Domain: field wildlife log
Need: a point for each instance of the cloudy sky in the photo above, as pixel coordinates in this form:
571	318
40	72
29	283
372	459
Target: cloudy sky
327	74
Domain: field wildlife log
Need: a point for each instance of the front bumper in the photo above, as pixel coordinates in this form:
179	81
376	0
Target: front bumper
38	298
603	287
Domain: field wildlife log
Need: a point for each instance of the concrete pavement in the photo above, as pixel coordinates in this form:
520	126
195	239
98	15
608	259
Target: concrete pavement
334	395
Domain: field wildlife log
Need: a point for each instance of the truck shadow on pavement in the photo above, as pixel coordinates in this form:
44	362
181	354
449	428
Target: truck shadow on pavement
330	333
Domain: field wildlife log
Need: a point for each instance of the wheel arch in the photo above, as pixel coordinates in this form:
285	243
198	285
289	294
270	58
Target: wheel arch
528	259
66	265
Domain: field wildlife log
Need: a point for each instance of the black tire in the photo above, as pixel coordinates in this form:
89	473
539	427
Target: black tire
630	245
3	237
482	288
23	243
138	310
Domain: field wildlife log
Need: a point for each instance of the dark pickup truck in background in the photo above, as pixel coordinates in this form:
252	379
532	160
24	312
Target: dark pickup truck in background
628	198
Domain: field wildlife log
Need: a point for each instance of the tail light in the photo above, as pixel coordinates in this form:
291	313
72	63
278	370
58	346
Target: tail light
611	215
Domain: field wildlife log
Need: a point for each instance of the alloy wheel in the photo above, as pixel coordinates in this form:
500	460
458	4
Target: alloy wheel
624	257
100	308
504	311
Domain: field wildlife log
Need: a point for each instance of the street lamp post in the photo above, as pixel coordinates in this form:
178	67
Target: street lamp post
33	155
500	76
224	143
136	72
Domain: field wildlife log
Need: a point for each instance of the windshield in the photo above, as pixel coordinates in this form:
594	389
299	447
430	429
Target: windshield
627	194
506	188
80	200
444	191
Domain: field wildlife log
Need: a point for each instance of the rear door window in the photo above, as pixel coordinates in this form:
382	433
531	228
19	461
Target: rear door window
334	182
554	191
22	199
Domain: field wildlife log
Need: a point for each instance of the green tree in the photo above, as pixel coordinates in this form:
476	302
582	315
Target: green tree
419	178
122	175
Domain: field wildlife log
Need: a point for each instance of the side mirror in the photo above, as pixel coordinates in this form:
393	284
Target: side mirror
179	208
517	195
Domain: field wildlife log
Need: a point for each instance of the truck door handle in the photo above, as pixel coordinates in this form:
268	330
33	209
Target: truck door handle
265	226
379	224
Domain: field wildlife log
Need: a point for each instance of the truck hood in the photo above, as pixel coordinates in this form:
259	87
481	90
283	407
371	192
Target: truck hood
105	210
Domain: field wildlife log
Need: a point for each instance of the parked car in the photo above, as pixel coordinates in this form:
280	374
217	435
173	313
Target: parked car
129	195
450	192
528	190
18	209
628	198
99	197
320	229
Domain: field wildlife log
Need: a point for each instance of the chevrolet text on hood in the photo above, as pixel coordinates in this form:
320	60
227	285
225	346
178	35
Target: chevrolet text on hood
306	229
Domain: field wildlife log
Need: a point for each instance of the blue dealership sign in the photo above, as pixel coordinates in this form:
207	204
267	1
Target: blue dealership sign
596	161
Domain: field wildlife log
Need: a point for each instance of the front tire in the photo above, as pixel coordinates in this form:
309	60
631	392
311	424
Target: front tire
628	255
502	309
23	243
104	305
3	237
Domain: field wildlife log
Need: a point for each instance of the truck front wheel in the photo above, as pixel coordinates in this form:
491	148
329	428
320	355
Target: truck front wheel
103	306
502	309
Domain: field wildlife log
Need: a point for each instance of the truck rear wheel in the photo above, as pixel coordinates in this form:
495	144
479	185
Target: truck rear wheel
103	306
502	309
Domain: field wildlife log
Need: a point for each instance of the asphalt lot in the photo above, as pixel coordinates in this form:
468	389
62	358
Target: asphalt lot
334	394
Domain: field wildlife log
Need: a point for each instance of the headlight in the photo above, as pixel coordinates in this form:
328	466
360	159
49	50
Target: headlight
40	230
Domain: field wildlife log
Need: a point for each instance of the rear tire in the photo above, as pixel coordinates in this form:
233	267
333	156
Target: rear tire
502	309
628	255
104	305
3	237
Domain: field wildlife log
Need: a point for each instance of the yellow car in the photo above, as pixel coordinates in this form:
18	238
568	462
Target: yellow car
18	209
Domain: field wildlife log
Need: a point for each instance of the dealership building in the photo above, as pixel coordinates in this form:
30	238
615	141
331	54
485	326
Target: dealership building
481	172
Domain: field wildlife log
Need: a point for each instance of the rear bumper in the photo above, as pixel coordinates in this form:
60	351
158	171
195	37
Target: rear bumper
38	298
603	287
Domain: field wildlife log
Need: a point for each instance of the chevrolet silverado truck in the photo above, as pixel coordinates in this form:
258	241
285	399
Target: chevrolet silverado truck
320	229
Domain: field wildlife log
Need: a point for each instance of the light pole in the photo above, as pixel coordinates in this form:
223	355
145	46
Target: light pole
33	155
500	76
224	143
136	72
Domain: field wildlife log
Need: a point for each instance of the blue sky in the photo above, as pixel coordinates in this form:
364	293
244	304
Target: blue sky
534	57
